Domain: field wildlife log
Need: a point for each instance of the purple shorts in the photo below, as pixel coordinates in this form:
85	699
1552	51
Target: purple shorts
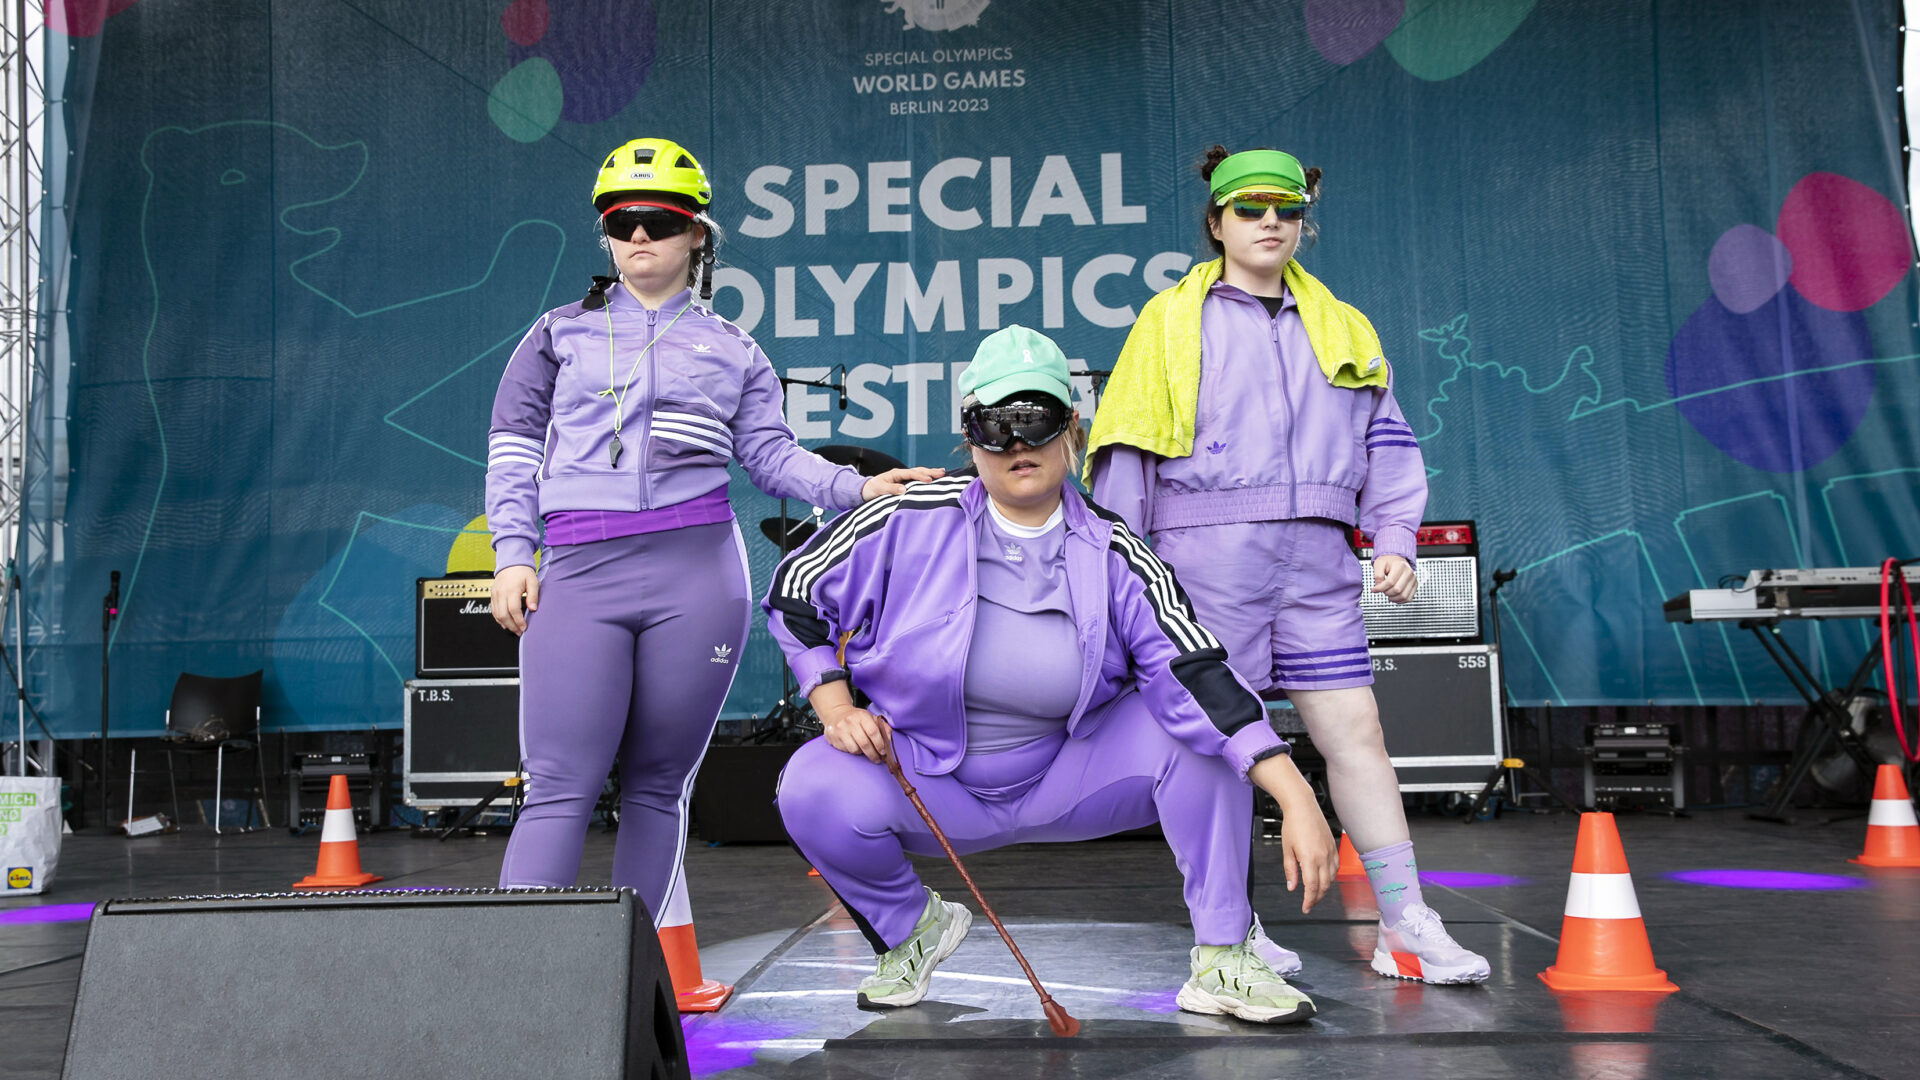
1282	596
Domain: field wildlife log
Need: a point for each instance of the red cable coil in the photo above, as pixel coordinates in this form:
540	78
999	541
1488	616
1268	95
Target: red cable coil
1887	646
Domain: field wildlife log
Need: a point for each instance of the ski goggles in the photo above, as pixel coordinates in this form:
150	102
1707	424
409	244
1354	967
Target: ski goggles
1034	419
652	222
1253	205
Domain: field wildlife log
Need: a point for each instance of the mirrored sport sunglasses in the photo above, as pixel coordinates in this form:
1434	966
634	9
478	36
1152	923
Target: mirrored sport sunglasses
1254	206
1035	420
652	222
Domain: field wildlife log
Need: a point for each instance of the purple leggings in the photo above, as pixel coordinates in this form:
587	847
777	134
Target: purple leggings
629	658
850	819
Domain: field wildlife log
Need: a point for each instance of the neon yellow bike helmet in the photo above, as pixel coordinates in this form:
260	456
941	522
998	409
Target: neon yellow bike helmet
650	166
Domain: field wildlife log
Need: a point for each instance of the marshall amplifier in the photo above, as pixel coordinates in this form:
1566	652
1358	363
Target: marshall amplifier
455	636
1447	607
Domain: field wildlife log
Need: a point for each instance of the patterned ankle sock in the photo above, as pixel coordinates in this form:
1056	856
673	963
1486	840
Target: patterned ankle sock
1395	879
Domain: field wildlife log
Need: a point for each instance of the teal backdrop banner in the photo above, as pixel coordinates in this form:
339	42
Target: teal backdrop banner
1642	271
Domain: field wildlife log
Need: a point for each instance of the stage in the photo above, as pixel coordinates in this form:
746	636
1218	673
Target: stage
1805	977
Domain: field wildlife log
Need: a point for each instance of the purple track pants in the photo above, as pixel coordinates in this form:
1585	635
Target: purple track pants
629	657
850	819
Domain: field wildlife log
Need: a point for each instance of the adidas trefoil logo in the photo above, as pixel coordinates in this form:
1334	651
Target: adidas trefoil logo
721	654
1014	553
1216	448
702	347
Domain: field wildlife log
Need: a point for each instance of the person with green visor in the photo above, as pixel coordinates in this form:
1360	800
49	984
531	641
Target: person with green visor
1248	428
612	430
1040	678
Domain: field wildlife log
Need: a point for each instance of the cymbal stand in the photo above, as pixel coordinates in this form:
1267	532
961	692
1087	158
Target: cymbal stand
786	715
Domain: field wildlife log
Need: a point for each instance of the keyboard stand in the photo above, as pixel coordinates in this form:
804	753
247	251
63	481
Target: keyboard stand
1827	707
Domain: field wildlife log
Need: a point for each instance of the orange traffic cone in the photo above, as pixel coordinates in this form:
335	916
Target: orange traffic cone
339	865
692	991
1893	836
1603	941
1349	868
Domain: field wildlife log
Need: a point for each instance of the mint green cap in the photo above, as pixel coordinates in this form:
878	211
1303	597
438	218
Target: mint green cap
1015	359
1258	170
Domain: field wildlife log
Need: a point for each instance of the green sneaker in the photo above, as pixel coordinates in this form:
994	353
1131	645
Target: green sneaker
1233	979
905	970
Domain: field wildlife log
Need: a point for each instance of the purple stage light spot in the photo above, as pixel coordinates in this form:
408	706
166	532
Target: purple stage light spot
602	50
1748	265
721	1044
1460	879
1765	879
1849	243
47	913
1153	1001
1346	30
1734	376
525	21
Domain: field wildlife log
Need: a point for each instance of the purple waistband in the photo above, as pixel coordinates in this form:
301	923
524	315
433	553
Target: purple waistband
586	526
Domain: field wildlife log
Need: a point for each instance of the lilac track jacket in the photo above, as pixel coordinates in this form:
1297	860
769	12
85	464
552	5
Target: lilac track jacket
900	573
1273	440
703	395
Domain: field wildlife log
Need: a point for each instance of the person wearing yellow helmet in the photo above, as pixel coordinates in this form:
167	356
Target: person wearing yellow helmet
612	430
1285	438
655	189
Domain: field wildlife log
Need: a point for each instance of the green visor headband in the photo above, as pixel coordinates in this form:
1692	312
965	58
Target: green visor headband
1267	171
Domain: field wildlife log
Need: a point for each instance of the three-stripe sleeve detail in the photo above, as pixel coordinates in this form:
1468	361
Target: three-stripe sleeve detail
795	578
505	448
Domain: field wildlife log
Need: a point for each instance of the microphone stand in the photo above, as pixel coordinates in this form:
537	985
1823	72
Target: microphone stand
109	610
1509	764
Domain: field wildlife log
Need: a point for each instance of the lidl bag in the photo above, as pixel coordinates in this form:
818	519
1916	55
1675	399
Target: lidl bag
29	833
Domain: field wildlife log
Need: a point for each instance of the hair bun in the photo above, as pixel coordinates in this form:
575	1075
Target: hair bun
1313	179
1214	156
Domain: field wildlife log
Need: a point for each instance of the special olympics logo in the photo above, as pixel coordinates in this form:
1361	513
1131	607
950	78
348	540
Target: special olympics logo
938	14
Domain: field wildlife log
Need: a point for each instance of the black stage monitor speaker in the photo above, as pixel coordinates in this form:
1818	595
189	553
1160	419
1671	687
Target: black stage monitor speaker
453	984
455	636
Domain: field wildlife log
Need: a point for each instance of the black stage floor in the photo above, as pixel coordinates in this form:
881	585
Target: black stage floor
1775	981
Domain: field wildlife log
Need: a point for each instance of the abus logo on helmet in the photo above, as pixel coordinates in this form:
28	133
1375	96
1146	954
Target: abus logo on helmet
937	14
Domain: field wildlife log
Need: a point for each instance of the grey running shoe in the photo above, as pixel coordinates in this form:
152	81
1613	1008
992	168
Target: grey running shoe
1419	947
1233	980
905	970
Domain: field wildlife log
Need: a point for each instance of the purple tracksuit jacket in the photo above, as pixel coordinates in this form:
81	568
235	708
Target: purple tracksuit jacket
702	395
1273	441
899	573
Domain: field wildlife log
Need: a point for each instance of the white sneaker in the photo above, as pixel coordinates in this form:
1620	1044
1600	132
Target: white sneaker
1233	980
1284	962
902	973
1418	947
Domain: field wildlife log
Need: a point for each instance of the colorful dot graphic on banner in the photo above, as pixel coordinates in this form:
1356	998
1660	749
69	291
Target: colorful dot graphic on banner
600	51
525	21
1733	374
83	18
1439	39
472	549
1848	242
1748	265
526	102
1346	30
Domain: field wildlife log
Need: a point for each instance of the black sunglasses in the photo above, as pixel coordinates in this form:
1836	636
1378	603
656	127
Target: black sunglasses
651	222
1035	420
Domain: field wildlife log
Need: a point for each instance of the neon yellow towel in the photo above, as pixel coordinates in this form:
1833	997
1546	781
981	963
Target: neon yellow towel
1151	398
